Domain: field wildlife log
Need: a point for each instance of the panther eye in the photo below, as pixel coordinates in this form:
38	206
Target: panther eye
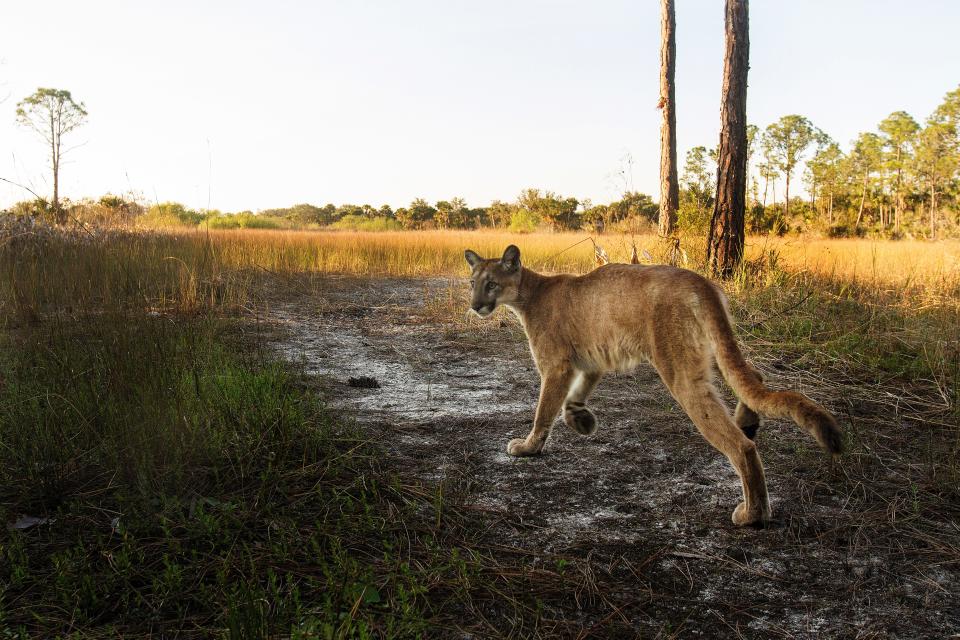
471	284
491	286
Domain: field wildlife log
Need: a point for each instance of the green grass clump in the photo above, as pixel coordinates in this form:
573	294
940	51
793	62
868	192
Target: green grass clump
188	488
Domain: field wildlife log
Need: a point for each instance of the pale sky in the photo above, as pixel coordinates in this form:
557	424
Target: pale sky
381	101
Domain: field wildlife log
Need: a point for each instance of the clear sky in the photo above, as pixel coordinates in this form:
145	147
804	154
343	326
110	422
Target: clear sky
266	104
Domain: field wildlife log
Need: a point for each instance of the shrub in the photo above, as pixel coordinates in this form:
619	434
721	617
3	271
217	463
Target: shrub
38	208
171	214
109	211
693	217
633	225
846	231
362	223
524	221
242	220
220	222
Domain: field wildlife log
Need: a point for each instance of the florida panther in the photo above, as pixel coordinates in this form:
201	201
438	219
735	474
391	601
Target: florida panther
620	315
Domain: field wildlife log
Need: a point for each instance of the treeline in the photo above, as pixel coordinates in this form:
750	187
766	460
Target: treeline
533	209
901	179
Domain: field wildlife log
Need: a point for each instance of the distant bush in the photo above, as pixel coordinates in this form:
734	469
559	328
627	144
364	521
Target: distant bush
252	221
762	219
171	214
174	215
524	221
362	223
634	224
108	211
220	222
693	217
846	231
303	215
38	208
242	220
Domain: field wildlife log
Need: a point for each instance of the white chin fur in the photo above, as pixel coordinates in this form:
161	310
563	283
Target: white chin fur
483	313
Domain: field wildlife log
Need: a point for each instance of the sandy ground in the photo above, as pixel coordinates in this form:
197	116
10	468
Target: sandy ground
644	503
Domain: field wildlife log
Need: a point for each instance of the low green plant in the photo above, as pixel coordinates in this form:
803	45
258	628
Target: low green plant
178	481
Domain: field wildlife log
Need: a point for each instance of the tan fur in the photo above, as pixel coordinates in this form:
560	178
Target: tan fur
620	315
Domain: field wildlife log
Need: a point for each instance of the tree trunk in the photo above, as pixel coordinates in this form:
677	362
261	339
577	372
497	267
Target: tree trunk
669	188
60	211
884	217
813	199
725	242
56	189
899	198
786	199
55	166
933	212
863	199
830	210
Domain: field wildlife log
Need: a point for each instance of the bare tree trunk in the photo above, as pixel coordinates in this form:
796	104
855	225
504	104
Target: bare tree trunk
54	166
669	188
725	242
830	210
61	216
899	197
884	217
56	186
863	199
57	209
933	212
786	201
813	198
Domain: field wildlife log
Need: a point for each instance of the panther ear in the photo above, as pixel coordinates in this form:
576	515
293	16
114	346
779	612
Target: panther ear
511	259
472	258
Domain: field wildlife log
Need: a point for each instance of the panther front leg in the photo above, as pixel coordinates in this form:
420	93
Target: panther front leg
554	386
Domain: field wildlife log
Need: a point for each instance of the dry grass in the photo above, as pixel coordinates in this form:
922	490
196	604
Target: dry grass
887	307
907	269
179	260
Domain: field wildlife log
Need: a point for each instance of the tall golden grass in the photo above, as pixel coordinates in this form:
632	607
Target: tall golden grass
893	306
912	264
905	268
196	268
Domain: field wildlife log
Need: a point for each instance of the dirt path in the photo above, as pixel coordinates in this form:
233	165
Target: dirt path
645	501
